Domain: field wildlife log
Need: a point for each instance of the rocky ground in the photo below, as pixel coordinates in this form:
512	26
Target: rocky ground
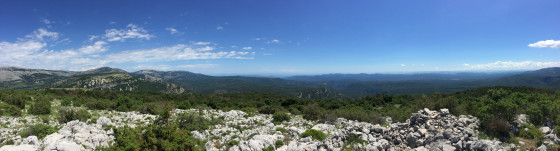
425	130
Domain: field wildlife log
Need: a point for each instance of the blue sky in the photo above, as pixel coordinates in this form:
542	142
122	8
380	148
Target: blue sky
293	37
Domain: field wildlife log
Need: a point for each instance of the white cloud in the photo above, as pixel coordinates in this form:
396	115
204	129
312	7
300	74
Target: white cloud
64	41
93	37
403	65
219	28
247	48
546	43
46	21
257	39
40	33
197	66
173	53
31	52
202	43
153	67
97	47
274	41
132	31
511	65
172	30
112	23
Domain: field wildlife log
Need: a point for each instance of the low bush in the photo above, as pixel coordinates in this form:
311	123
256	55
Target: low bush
315	134
42	106
499	128
278	143
12	110
531	133
311	112
66	114
192	122
163	134
281	117
39	130
269	148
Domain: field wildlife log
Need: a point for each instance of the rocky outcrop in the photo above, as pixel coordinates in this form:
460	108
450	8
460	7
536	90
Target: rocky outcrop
240	131
74	135
425	130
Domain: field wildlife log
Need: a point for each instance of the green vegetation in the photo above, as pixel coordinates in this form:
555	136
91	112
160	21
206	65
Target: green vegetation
315	134
278	143
269	148
42	106
163	134
185	121
39	130
66	114
532	132
496	107
280	117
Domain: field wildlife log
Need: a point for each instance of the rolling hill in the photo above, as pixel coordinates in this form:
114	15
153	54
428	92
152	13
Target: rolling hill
317	86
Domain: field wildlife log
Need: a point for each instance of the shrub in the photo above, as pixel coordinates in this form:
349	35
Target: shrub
311	112
42	106
39	130
281	117
12	110
315	134
499	128
268	109
531	133
354	139
192	122
269	148
163	134
232	143
66	114
14	99
278	143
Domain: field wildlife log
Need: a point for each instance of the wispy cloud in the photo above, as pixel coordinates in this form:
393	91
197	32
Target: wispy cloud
274	41
132	31
173	53
546	43
172	30
32	52
197	66
202	43
41	33
403	65
46	21
220	28
511	65
97	47
247	48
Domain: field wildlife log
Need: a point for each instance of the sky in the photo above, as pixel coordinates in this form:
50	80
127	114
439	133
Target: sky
288	37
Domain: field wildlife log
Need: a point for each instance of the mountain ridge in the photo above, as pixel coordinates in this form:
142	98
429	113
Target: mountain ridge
314	86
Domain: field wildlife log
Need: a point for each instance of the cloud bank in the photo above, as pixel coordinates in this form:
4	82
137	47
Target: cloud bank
33	52
546	44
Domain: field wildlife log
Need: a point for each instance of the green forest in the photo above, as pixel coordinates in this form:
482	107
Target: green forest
496	107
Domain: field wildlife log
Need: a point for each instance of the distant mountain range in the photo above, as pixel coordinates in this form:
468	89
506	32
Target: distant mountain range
316	86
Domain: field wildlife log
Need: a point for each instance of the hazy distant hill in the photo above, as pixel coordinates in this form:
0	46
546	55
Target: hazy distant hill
205	84
356	85
453	76
319	86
